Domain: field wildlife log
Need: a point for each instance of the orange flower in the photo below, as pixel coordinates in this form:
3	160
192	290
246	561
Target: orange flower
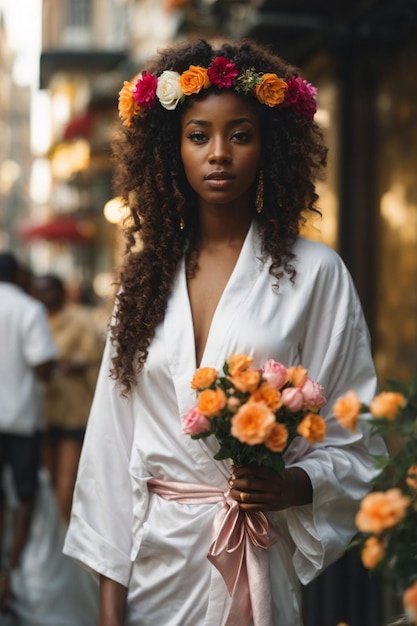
297	376
211	401
381	510
269	395
277	440
252	424
373	552
312	427
387	404
203	377
410	602
128	107
194	80
411	478
271	90
347	410
238	362
246	381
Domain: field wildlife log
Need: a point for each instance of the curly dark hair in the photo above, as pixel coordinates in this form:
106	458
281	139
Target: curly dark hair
150	178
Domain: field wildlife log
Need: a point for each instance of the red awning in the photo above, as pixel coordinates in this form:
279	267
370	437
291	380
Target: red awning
60	229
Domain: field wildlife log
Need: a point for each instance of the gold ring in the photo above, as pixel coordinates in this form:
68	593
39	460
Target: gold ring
242	496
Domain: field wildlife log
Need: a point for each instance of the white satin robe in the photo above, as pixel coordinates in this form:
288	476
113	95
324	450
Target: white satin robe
158	548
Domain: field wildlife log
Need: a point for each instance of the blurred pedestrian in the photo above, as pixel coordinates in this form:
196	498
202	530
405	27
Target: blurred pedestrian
27	354
69	393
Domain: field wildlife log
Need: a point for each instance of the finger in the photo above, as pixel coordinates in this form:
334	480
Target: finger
256	485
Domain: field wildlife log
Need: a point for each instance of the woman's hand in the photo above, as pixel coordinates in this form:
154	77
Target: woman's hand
263	489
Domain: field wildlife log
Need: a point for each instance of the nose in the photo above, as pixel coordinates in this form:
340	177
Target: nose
219	150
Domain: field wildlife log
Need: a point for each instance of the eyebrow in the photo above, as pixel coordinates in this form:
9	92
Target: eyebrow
239	120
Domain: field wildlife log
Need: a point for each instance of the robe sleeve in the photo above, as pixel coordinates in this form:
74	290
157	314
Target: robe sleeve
336	347
99	534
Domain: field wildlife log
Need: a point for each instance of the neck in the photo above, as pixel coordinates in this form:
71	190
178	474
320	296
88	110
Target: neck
224	230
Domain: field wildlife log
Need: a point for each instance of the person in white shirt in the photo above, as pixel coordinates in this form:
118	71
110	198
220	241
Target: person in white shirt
27	356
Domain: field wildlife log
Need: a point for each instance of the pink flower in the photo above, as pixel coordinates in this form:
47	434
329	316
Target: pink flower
145	90
194	423
222	72
292	398
300	96
274	373
313	394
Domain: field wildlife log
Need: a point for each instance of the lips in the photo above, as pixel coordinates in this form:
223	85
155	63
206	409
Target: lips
219	175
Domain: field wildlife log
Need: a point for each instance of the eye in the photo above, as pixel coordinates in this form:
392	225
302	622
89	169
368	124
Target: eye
241	136
197	136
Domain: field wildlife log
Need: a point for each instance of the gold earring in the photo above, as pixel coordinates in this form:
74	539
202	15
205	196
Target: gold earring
182	223
259	200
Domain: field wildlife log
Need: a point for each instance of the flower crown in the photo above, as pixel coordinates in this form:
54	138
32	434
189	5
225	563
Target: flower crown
170	88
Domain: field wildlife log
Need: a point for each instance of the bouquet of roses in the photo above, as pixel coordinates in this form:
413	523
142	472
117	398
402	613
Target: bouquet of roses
387	518
255	413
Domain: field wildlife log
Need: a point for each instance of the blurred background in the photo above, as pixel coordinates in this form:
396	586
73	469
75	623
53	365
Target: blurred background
61	67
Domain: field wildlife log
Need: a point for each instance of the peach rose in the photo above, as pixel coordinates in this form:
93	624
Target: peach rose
292	398
387	404
252	424
211	401
297	375
312	427
238	362
128	107
347	410
246	381
194	80
278	439
381	510
271	90
203	377
274	373
194	423
410	603
411	478
269	395
372	553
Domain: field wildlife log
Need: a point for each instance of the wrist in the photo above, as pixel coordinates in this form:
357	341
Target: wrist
298	487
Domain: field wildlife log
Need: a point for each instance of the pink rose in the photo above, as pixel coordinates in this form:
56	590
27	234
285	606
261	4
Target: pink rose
194	423
145	90
222	72
274	373
292	398
313	394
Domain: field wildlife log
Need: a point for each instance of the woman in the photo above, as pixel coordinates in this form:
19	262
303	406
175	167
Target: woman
217	162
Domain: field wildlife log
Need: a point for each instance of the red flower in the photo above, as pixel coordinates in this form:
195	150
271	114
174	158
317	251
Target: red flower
222	73
300	96
145	90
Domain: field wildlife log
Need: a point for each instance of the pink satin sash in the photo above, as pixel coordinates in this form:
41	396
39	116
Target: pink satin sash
238	550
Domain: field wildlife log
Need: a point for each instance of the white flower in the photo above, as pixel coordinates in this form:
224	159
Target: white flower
168	90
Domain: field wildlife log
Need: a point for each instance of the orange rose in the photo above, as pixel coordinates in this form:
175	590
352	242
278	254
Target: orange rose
411	478
373	552
194	80
277	440
246	381
297	376
271	90
312	427
269	395
128	107
252	424
238	362
203	377
211	401
387	404
410	602
381	510
347	410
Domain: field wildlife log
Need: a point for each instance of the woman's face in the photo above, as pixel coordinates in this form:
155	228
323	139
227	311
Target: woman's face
221	149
